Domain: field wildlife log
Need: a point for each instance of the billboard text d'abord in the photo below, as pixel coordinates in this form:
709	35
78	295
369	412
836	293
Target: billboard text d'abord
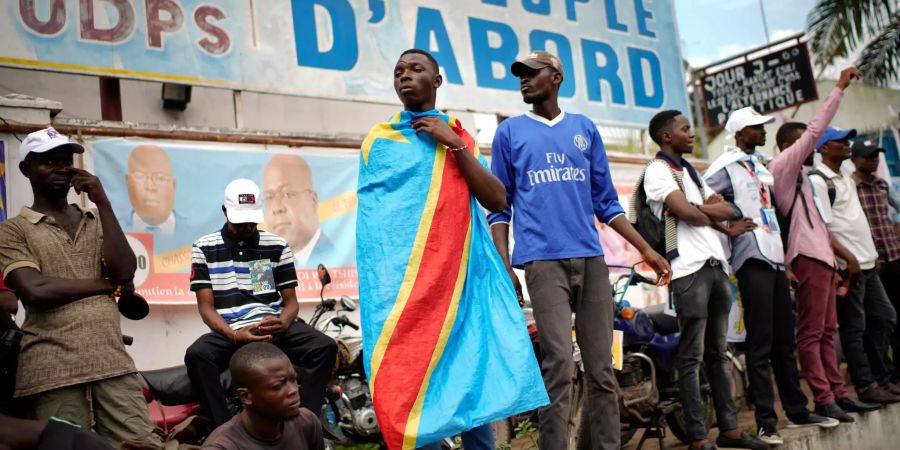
622	59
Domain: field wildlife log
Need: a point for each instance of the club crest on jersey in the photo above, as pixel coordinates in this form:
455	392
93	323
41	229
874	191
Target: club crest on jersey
581	142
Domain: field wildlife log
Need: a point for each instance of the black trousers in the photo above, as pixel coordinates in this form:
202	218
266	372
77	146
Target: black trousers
769	320
890	278
308	349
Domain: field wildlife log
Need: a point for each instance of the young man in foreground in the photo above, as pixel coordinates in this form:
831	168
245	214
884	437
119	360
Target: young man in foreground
272	418
557	179
445	343
700	288
811	258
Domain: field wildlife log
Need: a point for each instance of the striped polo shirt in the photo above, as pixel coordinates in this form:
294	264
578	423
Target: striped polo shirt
245	276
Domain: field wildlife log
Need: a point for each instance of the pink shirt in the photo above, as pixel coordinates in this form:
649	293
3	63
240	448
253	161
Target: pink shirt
810	241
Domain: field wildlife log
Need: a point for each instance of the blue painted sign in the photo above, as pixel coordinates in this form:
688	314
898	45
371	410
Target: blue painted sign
622	58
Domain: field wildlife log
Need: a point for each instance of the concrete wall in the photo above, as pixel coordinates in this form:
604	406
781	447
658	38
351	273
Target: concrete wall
209	107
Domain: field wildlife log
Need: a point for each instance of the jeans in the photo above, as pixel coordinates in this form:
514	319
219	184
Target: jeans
769	320
867	321
702	303
816	325
308	349
890	278
558	288
478	438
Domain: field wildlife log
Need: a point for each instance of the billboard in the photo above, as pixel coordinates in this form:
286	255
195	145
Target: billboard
167	195
622	58
779	80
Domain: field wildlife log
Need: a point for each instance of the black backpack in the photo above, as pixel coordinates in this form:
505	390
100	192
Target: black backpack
650	227
784	220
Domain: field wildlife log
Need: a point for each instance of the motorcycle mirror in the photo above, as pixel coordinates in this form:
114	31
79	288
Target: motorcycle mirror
324	277
348	303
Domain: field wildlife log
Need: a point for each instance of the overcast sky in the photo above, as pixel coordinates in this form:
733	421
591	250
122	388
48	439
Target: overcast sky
715	29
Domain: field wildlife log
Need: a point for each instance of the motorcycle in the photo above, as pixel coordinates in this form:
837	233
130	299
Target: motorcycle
648	390
348	414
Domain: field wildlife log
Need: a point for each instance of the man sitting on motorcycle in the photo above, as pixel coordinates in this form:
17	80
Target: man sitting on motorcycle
272	418
244	280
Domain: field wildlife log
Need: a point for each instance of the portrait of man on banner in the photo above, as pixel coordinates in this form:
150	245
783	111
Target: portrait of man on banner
168	194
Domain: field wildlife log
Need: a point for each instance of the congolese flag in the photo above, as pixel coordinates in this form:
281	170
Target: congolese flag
445	343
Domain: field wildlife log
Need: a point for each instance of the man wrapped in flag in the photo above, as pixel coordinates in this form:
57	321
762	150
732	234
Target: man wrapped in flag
445	344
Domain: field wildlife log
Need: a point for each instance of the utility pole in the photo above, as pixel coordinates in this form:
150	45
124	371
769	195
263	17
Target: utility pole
762	12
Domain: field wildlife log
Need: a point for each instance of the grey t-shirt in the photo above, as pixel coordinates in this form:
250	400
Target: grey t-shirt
303	432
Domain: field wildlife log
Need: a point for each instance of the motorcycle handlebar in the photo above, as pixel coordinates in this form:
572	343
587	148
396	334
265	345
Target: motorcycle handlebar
342	320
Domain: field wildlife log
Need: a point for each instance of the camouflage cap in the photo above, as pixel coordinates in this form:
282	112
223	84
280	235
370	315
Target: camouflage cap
536	60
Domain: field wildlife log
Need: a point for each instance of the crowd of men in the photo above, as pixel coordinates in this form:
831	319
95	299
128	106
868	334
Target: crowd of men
812	247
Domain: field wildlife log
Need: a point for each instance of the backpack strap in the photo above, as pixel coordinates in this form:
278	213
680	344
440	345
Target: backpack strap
639	200
832	190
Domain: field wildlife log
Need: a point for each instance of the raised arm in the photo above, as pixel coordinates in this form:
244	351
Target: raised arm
118	257
786	165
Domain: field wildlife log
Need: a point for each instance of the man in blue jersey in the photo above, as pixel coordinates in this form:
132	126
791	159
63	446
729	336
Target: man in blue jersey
557	179
244	280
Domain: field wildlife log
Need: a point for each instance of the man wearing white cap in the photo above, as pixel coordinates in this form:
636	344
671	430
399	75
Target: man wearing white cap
757	258
244	280
68	264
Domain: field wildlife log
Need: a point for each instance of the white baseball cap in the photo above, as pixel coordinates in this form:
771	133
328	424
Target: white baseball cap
243	203
42	141
745	117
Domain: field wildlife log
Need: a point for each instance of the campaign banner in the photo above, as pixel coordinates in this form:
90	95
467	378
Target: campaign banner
781	79
166	195
621	58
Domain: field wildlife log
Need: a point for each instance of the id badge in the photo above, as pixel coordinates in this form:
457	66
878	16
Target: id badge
261	276
771	219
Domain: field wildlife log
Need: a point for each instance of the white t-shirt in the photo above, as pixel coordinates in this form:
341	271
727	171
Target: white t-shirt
696	244
846	218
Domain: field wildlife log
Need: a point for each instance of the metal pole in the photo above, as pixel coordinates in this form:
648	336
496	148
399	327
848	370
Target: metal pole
762	11
698	114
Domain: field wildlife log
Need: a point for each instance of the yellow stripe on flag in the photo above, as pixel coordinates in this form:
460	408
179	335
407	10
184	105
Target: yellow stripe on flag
412	267
415	415
383	130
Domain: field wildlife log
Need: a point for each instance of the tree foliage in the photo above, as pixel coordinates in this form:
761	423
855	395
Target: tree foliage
838	28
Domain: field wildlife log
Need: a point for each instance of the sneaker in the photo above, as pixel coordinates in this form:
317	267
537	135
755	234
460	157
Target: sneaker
813	419
877	395
745	441
834	411
850	405
770	437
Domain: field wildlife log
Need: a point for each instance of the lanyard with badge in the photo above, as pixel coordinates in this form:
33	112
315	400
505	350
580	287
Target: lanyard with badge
767	211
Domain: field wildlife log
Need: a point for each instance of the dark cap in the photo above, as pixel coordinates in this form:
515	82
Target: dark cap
865	148
536	61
